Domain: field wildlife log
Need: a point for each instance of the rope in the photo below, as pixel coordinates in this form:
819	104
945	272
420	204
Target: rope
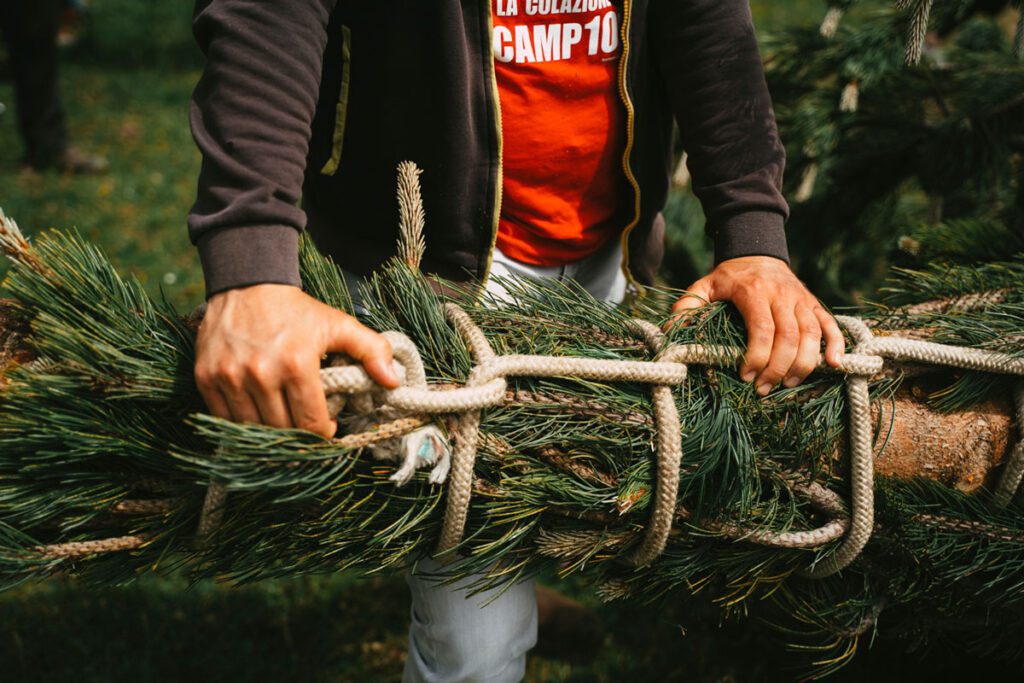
1014	469
487	386
60	551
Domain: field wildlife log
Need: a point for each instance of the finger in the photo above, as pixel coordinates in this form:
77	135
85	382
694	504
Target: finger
697	295
205	383
215	403
809	349
784	346
835	344
263	382
757	316
349	336
305	396
241	405
308	405
272	406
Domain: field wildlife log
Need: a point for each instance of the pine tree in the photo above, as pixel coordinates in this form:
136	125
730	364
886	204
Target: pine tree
102	436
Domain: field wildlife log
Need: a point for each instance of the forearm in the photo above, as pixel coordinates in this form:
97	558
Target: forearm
250	115
708	53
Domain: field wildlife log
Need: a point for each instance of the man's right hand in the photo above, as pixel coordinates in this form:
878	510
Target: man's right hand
258	355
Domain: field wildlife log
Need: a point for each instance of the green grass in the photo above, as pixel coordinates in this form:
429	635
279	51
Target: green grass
138	119
771	15
163	630
308	630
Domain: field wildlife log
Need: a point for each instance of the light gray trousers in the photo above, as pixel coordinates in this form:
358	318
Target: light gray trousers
456	638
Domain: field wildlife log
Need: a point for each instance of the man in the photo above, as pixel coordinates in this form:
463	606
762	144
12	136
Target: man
544	130
30	33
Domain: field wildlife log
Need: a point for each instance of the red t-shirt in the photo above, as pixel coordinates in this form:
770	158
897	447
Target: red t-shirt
564	193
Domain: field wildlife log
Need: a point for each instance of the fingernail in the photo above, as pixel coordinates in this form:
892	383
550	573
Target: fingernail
791	382
764	388
385	371
748	376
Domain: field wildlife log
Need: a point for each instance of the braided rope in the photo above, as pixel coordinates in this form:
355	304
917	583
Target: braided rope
487	386
59	551
1014	469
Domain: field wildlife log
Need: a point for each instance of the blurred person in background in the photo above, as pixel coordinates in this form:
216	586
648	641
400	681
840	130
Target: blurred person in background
30	30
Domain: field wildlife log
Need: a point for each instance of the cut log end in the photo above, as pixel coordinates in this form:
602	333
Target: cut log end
962	450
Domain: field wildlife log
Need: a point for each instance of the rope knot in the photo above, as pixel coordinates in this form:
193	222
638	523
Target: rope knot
373	405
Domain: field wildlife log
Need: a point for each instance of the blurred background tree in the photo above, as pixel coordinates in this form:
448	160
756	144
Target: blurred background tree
890	164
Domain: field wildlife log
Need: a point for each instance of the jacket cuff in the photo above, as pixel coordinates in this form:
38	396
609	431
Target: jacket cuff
252	255
753	233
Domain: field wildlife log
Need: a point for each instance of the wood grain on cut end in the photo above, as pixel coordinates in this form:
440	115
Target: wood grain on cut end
961	450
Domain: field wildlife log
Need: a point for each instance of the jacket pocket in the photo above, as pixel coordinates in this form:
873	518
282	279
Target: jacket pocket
341	111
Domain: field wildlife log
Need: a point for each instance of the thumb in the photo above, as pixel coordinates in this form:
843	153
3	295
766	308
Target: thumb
697	295
347	335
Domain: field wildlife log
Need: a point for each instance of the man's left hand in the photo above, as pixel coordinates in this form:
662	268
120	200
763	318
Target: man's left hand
785	322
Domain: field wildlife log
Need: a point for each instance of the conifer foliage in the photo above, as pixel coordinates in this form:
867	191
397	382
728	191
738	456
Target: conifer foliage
934	147
102	435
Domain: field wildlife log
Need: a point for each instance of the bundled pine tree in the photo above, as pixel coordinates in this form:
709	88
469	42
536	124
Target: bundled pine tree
109	468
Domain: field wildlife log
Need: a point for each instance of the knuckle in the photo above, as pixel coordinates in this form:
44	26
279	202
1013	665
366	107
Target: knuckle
291	367
259	372
229	375
380	346
204	376
757	361
789	336
802	366
756	284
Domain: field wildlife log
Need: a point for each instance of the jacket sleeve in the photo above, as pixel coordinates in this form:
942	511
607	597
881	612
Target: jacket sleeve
250	116
709	58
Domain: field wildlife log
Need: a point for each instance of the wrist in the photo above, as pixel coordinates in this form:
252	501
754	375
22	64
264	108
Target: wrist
240	257
752	233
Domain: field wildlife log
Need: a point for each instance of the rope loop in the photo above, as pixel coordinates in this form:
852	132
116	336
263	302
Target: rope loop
487	384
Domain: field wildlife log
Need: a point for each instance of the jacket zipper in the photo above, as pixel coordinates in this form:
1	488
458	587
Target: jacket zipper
496	217
624	94
341	110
